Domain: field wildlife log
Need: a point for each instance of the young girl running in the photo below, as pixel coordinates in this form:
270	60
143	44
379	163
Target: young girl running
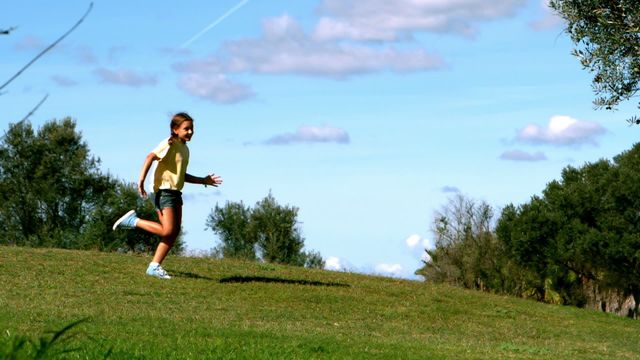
172	155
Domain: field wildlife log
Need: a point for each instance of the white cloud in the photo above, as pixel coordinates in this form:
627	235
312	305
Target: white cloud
518	155
549	19
311	134
562	131
125	77
29	43
391	20
450	189
335	264
215	88
63	81
285	48
394	270
84	55
417	245
413	240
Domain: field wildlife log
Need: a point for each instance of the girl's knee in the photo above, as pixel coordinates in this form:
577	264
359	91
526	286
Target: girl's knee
169	234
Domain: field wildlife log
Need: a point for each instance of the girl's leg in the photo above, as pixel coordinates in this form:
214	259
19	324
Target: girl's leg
170	221
152	226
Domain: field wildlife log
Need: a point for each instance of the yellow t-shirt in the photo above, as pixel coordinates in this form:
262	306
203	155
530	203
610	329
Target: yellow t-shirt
172	166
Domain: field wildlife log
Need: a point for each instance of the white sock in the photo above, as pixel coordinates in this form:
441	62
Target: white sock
153	264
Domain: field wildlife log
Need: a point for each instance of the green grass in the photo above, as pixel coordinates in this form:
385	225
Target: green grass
239	310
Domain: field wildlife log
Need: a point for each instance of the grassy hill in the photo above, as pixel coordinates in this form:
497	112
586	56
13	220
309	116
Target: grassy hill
239	310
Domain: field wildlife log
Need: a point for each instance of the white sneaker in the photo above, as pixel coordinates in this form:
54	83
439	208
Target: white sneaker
127	221
157	271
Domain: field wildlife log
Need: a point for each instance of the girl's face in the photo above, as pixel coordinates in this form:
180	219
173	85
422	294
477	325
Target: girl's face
184	131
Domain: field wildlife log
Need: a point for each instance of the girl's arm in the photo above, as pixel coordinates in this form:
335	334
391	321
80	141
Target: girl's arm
211	179
143	173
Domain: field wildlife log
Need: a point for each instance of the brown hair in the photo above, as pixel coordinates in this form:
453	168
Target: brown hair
176	121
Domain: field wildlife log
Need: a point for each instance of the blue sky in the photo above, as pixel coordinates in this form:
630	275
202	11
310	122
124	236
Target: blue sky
366	115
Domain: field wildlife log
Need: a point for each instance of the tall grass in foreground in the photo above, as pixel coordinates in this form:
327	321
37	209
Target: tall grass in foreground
214	309
51	346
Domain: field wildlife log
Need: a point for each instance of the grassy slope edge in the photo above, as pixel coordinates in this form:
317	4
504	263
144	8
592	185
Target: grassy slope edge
237	310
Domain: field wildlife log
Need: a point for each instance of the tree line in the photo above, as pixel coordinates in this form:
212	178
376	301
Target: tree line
577	243
55	195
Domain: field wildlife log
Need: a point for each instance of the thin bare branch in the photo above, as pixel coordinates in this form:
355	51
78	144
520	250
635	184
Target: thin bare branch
48	47
35	108
7	31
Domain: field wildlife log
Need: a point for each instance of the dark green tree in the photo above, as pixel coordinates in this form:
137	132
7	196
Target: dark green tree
312	260
607	38
268	231
116	199
278	236
48	179
232	224
584	230
54	195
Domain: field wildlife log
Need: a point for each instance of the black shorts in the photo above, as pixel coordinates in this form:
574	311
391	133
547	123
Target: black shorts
165	198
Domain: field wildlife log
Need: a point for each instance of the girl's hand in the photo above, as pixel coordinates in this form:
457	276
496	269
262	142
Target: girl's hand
141	190
212	179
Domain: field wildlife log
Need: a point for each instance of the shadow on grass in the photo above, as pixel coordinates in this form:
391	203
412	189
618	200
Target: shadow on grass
264	279
188	275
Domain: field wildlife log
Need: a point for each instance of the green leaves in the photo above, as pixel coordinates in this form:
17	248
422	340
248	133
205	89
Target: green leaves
54	195
233	225
268	231
607	39
45	181
467	251
582	234
584	229
278	236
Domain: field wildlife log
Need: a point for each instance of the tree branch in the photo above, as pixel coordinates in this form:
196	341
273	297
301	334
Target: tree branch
48	47
7	31
35	108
